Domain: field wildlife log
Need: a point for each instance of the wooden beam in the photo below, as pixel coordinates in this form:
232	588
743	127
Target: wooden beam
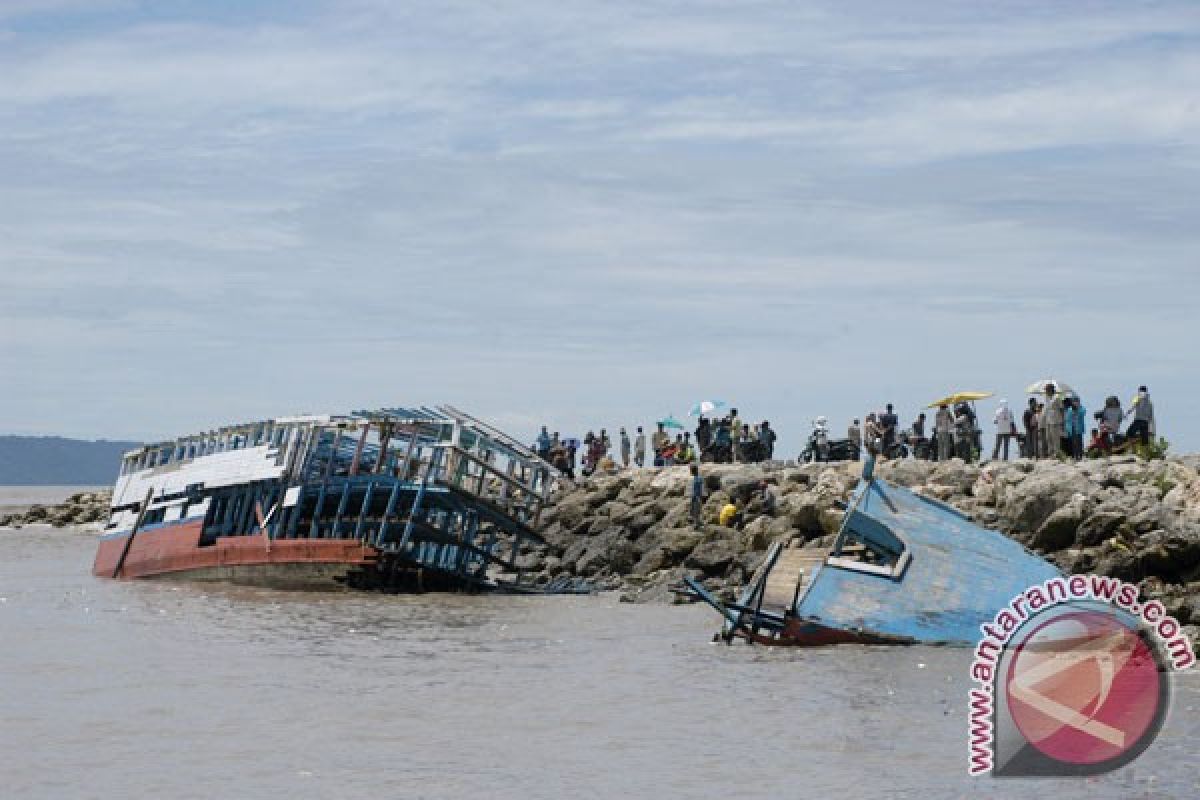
137	524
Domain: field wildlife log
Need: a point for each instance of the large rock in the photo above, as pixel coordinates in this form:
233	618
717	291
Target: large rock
905	471
1098	527
1040	495
803	511
672	482
1124	517
714	555
570	510
741	482
956	473
1059	529
1169	554
619	513
831	520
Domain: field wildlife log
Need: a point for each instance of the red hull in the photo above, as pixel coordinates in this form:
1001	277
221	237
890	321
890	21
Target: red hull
175	549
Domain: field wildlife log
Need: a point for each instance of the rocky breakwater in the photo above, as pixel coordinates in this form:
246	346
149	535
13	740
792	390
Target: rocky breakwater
79	509
1132	519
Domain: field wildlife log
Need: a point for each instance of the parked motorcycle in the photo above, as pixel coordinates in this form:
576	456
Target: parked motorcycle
822	448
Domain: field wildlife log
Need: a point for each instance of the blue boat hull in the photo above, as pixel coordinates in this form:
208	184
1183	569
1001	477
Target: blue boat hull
904	569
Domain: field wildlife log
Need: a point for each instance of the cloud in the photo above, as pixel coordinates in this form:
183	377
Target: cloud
585	209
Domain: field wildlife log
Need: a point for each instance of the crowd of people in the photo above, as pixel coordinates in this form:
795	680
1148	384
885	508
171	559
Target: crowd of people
724	440
1054	424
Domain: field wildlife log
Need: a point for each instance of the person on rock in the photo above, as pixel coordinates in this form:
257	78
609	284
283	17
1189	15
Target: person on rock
943	427
854	433
1143	417
626	448
766	435
1075	426
735	428
888	422
1110	418
723	442
659	441
703	434
730	515
686	454
1006	429
639	447
873	434
1053	421
1030	420
697	498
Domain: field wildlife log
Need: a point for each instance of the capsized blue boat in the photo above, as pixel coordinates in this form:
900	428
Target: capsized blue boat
903	569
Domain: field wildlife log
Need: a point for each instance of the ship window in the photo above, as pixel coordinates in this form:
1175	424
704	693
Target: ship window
866	545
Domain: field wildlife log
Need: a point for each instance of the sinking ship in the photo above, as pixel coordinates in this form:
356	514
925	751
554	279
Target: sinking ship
903	569
423	498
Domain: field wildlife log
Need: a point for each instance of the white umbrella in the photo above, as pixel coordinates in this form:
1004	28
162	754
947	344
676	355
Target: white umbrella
1038	387
706	407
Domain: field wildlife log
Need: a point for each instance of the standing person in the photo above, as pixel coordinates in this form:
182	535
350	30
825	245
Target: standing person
703	434
872	434
588	440
639	448
918	427
1053	421
1076	426
543	443
1006	429
1110	420
735	431
888	422
572	457
558	457
1030	420
626	448
659	441
605	442
596	453
766	435
943	429
1043	447
1143	417
686	453
555	441
697	505
964	432
723	443
854	434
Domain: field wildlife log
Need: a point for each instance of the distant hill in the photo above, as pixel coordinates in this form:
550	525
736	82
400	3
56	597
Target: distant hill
55	461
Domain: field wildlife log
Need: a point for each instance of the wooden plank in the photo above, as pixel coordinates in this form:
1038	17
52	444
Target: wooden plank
132	533
791	568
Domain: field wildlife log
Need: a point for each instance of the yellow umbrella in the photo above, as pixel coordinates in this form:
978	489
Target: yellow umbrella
960	397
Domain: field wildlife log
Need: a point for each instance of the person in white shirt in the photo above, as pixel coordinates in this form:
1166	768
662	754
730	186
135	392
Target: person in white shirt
639	448
1006	429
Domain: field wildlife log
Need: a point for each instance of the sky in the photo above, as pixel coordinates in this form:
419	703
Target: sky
592	214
